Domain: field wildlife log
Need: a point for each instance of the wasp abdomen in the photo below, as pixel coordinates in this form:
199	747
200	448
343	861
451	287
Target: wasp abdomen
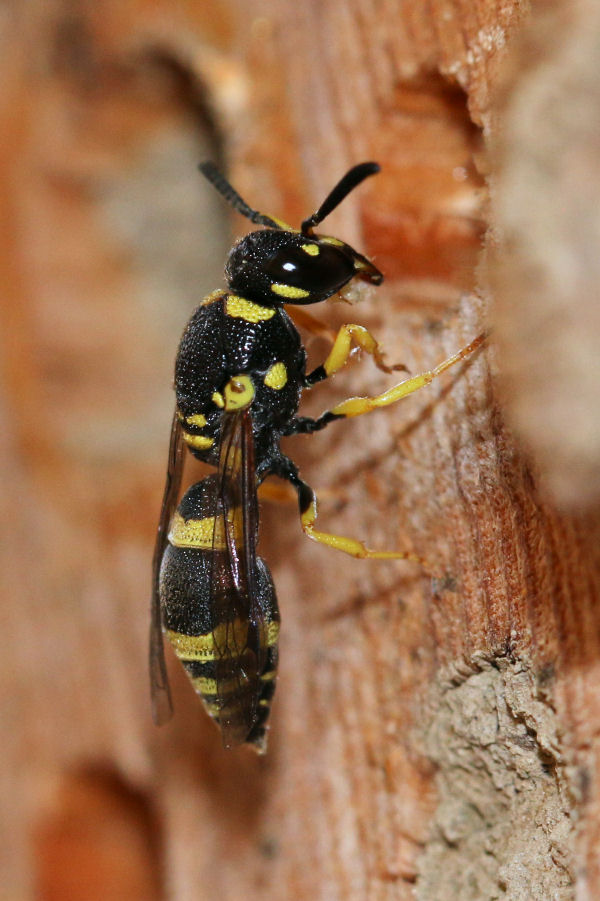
231	664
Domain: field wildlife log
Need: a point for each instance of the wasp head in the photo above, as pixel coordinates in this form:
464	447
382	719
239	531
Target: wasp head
280	265
277	266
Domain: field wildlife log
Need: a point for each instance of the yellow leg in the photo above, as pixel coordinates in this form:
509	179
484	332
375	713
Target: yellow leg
349	335
356	406
358	335
350	546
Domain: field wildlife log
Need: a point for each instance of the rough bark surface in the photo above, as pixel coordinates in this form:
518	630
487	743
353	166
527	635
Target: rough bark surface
434	738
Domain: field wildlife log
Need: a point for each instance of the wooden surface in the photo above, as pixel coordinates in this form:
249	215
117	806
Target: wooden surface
430	738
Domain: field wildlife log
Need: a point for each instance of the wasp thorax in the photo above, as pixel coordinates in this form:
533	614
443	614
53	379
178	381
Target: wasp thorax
273	266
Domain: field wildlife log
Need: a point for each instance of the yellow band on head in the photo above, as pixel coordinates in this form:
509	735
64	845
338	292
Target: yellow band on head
289	291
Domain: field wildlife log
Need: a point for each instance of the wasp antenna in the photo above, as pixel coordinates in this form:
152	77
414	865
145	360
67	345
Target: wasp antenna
210	172
351	180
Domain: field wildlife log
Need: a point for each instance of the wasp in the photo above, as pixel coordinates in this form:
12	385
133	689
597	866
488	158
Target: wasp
239	375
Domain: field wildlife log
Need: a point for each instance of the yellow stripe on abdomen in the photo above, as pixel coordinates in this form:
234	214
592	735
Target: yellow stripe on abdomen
192	647
207	534
233	636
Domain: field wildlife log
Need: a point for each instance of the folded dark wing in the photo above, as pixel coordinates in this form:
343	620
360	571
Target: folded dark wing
240	627
160	694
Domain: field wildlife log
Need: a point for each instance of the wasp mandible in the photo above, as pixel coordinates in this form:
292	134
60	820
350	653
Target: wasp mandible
239	374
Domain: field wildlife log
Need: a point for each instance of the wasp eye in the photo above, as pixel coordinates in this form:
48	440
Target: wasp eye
325	270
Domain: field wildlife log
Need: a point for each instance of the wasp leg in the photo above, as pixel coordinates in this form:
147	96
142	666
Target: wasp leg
339	354
307	504
356	406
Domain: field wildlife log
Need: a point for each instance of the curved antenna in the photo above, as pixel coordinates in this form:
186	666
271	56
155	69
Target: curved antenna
350	180
210	172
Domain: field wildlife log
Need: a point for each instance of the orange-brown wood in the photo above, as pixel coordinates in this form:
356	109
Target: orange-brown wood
435	738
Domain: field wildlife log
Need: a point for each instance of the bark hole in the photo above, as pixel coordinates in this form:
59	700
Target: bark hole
433	187
99	841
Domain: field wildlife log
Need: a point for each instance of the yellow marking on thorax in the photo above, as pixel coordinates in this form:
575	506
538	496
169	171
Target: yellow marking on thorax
241	308
326	239
238	392
206	534
197	419
218	399
311	249
212	297
199	442
276	377
288	291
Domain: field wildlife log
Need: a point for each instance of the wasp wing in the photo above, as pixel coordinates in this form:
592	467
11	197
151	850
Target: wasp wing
160	693
240	628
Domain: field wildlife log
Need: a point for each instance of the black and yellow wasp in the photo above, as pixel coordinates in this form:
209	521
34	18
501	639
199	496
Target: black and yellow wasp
239	375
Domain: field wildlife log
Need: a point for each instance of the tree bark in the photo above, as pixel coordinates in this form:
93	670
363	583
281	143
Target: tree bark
431	737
